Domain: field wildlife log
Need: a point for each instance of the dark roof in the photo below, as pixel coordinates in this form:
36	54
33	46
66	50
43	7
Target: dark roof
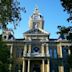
20	39
52	39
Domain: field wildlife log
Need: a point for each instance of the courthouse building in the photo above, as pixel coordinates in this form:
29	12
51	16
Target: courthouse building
37	52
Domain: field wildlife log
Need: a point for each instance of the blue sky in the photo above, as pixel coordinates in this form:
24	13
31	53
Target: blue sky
52	12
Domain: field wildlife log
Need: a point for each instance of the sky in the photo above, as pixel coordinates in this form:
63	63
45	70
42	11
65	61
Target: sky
51	10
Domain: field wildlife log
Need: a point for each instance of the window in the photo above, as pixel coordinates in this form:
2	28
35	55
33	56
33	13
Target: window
53	52
10	36
65	55
53	66
19	52
35	25
16	68
36	68
50	52
4	37
64	52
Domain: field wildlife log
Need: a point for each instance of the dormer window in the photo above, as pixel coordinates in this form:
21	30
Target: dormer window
10	37
4	37
7	34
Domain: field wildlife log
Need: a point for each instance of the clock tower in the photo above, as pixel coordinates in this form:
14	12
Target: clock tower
36	46
36	20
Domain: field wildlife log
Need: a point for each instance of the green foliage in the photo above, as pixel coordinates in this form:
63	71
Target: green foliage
63	30
66	31
10	11
4	57
67	5
69	37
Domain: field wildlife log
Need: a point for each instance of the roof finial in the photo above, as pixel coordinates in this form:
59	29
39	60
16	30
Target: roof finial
36	9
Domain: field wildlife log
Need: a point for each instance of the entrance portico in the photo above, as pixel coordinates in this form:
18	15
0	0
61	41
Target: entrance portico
36	66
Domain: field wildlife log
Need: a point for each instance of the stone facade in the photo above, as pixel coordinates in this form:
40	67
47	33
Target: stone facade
36	52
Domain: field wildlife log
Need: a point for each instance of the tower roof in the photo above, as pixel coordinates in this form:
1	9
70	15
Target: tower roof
36	11
36	20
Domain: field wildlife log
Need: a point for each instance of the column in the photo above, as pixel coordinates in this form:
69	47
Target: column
25	50
47	50
61	69
69	52
70	69
59	50
28	70
42	65
23	69
19	70
42	50
10	65
29	50
48	66
11	51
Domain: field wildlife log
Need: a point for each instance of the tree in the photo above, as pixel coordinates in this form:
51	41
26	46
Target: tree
4	57
67	5
64	31
10	11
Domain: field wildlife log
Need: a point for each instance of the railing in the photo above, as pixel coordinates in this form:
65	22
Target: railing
35	55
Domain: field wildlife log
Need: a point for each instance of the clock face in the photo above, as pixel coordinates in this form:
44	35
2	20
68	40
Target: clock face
36	17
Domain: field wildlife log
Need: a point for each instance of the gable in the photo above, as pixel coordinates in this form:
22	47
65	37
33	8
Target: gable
36	31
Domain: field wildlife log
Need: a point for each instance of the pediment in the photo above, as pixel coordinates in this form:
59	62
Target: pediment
36	31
